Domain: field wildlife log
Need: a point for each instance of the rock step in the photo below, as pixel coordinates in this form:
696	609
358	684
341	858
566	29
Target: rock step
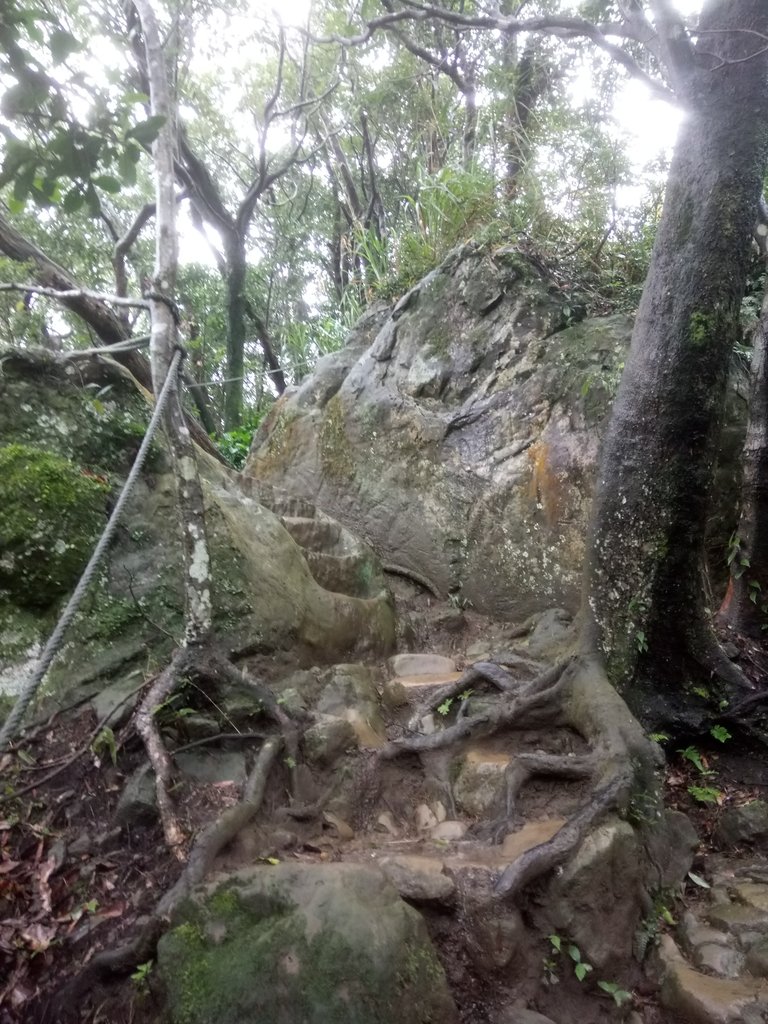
345	574
420	664
427	681
313	534
276	500
702	999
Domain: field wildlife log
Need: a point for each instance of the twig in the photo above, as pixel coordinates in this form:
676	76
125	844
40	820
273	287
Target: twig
78	753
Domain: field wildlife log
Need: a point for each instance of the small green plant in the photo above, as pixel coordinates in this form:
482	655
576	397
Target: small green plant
445	707
720	733
692	754
290	762
615	991
641	641
658	737
104	742
140	976
738	560
580	967
705	794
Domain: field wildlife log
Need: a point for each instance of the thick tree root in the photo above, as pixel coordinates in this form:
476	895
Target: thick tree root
206	847
537	698
525	766
205	665
218	668
575	693
543	858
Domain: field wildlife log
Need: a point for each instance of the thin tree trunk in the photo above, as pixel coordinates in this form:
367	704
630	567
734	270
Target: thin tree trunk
164	339
644	599
236	303
469	139
745	606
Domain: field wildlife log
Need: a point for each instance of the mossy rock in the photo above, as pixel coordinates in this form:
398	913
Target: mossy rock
51	514
315	943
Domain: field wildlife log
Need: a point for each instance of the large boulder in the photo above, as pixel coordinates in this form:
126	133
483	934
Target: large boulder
458	432
316	943
67	437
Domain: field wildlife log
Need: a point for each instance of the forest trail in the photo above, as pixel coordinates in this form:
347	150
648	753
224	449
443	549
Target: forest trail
441	825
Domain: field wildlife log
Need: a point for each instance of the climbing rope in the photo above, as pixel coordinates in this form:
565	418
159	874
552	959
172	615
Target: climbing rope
30	688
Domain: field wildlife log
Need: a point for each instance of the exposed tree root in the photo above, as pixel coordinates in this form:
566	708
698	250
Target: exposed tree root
492	672
575	693
206	847
414	577
540	859
205	665
526	766
215	666
538	697
146	726
710	655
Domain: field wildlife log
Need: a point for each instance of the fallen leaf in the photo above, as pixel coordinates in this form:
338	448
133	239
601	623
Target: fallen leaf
38	936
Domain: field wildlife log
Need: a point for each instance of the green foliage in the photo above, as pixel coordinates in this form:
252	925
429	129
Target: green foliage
559	945
693	755
615	991
720	733
705	794
105	742
235	444
47	145
140	976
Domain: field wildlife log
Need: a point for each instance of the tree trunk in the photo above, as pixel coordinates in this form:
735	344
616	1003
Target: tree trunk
164	339
644	596
469	137
745	607
236	303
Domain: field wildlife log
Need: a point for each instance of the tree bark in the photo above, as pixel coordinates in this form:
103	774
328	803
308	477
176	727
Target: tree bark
644	607
745	607
164	339
233	384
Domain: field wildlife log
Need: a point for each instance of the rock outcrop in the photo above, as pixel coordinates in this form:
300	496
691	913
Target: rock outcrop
458	432
306	942
284	579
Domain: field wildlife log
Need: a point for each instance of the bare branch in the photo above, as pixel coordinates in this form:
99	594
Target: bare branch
562	27
75	293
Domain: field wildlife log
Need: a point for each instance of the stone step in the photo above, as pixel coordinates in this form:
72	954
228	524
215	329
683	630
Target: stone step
319	535
420	665
428	681
481	786
703	999
355	575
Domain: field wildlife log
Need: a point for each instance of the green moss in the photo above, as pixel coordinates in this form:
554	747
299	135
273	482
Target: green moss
335	452
438	341
420	967
701	328
249	956
101	430
51	514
